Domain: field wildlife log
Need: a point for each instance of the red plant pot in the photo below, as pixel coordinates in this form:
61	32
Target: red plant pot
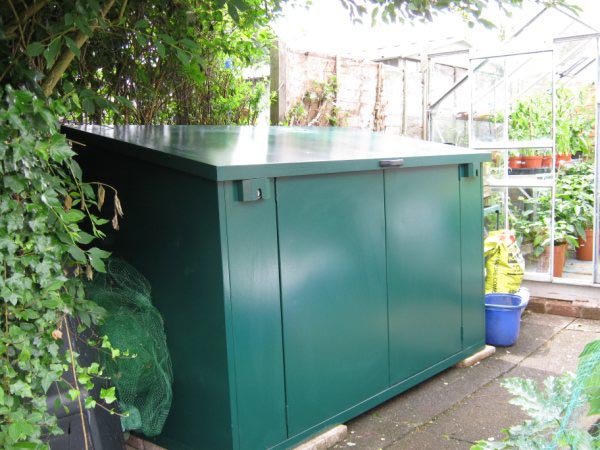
585	251
560	257
562	159
515	162
532	162
547	161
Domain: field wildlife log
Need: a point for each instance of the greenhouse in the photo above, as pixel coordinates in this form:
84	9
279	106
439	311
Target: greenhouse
533	103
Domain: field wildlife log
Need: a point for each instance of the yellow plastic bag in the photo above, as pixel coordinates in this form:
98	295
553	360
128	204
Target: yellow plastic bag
504	264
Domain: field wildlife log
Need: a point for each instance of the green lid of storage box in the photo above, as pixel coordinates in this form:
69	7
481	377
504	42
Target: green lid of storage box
231	153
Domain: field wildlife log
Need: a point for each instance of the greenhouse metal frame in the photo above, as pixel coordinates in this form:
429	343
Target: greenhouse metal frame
502	144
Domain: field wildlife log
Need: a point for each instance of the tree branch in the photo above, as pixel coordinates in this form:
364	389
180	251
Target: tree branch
66	57
11	30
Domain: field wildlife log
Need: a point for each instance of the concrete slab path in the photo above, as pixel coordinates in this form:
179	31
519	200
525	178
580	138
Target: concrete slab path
462	405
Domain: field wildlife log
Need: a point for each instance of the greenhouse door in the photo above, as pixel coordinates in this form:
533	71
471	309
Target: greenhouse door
506	89
596	234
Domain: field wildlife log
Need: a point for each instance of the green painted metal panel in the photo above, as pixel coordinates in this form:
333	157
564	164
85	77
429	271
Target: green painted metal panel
256	318
471	231
392	391
277	295
170	233
424	273
332	262
235	153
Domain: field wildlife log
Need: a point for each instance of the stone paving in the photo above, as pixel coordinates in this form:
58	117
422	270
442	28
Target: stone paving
462	405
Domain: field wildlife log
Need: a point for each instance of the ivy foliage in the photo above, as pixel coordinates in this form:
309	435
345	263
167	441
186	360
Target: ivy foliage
45	253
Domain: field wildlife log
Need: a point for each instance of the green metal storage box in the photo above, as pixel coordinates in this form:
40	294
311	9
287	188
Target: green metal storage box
304	275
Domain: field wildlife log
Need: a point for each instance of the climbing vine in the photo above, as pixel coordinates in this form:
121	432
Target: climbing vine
49	223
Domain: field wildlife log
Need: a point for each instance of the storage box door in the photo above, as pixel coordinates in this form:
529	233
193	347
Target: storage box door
471	205
424	267
255	314
333	293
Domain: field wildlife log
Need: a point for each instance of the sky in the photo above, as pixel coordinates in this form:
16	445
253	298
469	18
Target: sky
326	27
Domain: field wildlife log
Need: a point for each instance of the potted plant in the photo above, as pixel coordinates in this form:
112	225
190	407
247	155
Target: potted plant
515	160
575	191
575	116
547	160
533	226
531	119
531	160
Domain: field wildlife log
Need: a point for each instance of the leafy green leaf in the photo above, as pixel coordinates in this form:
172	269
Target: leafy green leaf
141	39
97	263
14	184
183	56
21	389
35	49
142	23
73	394
108	395
97	253
160	49
88	105
77	254
84	238
73	216
73	46
51	52
90	402
125	102
21	429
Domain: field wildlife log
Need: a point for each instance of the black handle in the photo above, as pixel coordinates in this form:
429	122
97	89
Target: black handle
391	163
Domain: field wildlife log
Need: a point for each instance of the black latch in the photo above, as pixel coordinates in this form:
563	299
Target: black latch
255	189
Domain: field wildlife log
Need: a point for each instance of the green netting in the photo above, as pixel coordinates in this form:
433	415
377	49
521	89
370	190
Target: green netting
143	379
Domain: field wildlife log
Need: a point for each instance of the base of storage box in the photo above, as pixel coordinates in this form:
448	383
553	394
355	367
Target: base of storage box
360	408
325	440
381	397
487	351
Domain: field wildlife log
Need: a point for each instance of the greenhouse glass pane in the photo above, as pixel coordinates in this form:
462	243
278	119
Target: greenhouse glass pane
530	97
495	169
488	100
529	215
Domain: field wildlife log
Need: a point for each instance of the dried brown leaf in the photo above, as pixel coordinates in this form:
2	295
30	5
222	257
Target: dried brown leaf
115	222
68	203
56	334
89	272
101	194
118	208
77	270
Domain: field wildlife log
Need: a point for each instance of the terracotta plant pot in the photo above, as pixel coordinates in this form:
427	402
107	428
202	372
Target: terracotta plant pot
560	257
532	162
515	162
561	159
585	251
547	161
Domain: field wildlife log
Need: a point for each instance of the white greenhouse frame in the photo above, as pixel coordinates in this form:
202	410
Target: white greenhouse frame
475	59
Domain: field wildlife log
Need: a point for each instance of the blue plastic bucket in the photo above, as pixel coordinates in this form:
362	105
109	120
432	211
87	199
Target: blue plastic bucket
503	318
